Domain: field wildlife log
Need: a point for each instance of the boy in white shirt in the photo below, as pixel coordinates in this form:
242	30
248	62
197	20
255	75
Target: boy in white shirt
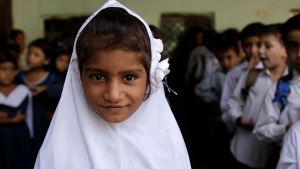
246	101
278	114
250	44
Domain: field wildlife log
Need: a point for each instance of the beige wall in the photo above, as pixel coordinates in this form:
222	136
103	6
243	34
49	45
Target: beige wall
29	14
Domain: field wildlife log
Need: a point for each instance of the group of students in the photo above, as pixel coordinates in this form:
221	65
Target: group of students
113	112
249	85
29	93
263	102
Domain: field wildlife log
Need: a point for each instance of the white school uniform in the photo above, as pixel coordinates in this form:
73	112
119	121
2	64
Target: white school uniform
231	80
203	61
15	99
290	152
79	139
272	123
245	147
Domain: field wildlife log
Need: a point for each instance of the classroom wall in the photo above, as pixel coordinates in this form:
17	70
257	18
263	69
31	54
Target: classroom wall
29	14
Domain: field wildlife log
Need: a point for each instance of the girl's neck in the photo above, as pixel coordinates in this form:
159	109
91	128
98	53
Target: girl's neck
34	75
7	89
36	70
277	72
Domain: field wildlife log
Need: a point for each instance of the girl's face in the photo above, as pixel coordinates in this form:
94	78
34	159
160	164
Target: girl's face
36	58
62	62
293	48
7	73
272	52
114	83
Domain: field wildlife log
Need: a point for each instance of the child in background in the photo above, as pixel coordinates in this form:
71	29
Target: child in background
113	112
229	55
247	150
209	90
289	156
17	37
61	63
281	107
45	87
250	39
15	118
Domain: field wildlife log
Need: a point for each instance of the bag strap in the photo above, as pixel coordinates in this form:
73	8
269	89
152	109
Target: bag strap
250	81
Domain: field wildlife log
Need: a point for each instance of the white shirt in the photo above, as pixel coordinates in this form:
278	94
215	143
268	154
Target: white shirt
245	147
290	152
210	89
231	81
272	123
204	61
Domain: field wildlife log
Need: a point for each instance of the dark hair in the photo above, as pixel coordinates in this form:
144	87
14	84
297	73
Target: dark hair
14	33
114	28
14	49
273	29
156	32
57	54
229	39
44	45
7	57
291	24
252	29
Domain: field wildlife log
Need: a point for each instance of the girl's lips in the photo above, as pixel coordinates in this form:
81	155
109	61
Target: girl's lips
113	106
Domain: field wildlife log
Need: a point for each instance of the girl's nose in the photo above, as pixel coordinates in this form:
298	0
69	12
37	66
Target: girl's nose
113	92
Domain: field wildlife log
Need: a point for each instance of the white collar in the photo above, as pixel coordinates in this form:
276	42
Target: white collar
16	97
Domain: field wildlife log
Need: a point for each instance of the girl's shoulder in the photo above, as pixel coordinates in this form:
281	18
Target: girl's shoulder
23	88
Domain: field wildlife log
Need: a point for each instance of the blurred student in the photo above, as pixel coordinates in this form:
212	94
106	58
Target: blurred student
45	87
15	118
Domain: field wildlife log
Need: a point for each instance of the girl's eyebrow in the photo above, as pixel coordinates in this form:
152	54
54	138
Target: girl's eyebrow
134	70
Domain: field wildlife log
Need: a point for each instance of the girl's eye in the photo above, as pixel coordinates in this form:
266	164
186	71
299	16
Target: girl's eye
292	46
268	45
97	77
129	77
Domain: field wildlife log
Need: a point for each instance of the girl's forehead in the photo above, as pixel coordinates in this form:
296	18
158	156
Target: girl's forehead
270	36
114	57
7	63
294	35
35	48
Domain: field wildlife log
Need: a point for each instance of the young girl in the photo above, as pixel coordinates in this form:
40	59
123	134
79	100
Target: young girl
61	63
113	113
15	118
44	85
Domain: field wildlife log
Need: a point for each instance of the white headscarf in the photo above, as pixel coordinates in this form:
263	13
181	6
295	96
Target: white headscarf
79	139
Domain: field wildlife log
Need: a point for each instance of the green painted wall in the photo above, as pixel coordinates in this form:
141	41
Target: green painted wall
29	14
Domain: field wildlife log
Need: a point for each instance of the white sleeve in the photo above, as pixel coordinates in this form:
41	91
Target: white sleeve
204	89
227	91
290	152
267	127
236	102
225	95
